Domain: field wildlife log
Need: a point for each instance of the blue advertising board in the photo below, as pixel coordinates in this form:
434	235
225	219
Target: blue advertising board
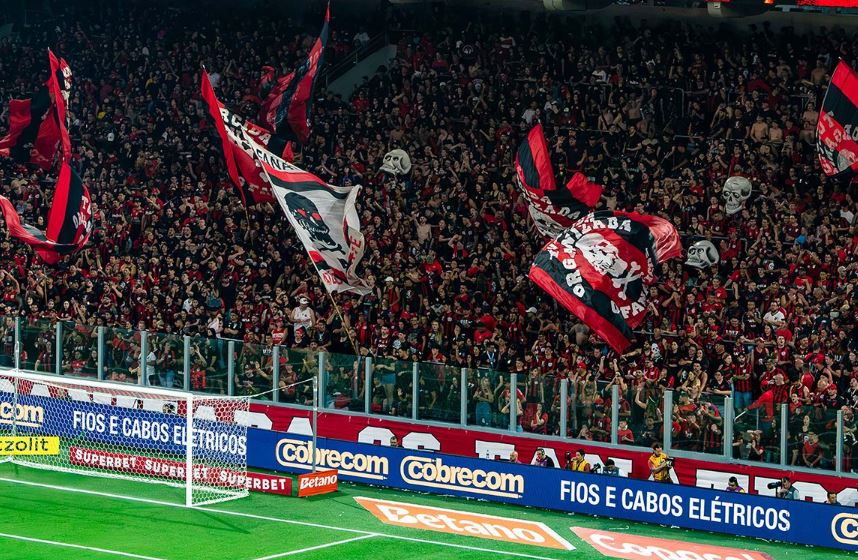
636	500
128	427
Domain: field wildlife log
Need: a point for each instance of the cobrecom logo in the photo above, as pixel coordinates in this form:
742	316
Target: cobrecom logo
433	473
844	528
298	454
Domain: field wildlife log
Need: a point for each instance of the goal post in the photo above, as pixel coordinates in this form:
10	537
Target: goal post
144	434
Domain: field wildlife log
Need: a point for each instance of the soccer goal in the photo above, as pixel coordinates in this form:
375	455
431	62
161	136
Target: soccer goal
143	434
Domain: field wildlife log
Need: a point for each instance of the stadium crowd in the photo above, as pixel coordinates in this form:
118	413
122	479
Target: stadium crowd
660	115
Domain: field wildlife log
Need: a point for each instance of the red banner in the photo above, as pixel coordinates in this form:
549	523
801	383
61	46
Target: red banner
175	470
474	443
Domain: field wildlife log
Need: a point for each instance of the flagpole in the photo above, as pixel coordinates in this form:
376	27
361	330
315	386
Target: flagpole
327	289
336	307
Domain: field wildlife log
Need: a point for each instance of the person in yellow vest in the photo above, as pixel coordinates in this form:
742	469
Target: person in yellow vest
579	463
660	464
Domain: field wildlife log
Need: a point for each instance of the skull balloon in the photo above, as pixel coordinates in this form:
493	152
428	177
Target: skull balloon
736	191
702	254
396	162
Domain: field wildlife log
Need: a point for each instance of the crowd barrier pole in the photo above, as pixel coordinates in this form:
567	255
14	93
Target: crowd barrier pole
615	414
415	391
513	400
275	375
230	368
59	353
144	351
838	446
564	406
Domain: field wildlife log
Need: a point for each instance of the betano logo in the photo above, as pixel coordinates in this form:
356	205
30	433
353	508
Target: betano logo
298	454
22	415
433	473
844	528
634	547
464	523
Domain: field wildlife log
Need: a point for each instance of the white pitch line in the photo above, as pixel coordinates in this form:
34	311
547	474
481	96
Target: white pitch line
77	546
317	547
267	518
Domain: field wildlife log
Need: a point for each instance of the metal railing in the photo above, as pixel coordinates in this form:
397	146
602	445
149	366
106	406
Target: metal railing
626	411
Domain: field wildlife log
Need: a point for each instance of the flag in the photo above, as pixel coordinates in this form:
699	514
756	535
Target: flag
69	221
326	221
239	139
59	84
552	209
837	128
38	125
600	267
288	101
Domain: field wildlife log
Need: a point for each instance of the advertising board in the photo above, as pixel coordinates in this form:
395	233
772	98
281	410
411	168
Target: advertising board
129	427
636	500
456	440
313	484
175	470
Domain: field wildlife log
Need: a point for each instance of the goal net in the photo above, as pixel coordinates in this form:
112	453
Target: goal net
129	432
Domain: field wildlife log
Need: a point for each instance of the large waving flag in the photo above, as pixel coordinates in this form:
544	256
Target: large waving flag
552	209
59	83
239	139
69	221
288	100
325	219
837	128
600	267
38	125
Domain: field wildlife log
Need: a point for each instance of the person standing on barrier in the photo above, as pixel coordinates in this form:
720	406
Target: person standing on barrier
660	465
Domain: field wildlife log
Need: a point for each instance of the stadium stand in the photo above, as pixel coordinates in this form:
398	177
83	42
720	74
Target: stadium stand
659	115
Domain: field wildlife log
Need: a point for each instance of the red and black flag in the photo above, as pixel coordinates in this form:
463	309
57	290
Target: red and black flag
600	267
552	209
38	125
326	222
240	139
59	84
69	221
837	128
288	101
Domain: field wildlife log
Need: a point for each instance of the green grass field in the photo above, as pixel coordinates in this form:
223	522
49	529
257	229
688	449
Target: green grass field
50	516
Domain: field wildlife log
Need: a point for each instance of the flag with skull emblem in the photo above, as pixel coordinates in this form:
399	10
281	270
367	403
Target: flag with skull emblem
552	209
325	219
600	267
837	128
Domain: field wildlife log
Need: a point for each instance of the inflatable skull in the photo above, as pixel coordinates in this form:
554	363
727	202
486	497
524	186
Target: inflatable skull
702	254
396	162
736	191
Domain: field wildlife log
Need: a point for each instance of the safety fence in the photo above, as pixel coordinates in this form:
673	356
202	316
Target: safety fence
626	407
